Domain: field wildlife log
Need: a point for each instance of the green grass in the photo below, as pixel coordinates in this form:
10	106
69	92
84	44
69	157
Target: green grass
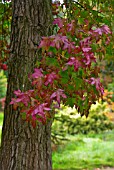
85	152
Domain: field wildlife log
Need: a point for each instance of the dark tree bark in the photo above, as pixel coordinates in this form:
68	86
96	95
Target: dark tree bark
22	146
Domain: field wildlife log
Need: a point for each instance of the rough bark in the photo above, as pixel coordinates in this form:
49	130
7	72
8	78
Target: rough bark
22	146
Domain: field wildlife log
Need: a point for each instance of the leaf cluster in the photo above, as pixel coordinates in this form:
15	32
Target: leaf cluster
67	69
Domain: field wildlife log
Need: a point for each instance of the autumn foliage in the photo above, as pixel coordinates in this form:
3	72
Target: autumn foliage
67	69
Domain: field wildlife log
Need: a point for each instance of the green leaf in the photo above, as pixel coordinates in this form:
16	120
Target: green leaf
67	55
81	72
84	14
53	50
52	61
71	87
78	82
23	115
64	74
80	20
64	80
71	102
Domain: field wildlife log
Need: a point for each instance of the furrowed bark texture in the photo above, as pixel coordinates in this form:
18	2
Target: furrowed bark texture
22	146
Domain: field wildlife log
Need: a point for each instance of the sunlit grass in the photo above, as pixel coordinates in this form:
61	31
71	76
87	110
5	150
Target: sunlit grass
85	152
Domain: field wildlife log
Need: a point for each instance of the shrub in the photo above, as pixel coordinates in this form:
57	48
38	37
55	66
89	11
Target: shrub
69	121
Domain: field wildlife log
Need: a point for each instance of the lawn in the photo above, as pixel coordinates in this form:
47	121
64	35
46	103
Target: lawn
83	151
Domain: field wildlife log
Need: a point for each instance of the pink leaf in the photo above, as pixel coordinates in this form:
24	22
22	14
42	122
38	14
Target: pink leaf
73	61
59	22
22	97
17	92
106	29
89	58
86	49
97	83
45	43
40	110
57	95
49	78
37	73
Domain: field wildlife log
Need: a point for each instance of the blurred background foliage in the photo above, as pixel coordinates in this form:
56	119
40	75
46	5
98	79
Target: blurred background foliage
3	87
3	82
5	28
68	121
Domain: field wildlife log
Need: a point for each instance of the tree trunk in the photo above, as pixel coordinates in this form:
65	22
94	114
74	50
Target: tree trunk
22	146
